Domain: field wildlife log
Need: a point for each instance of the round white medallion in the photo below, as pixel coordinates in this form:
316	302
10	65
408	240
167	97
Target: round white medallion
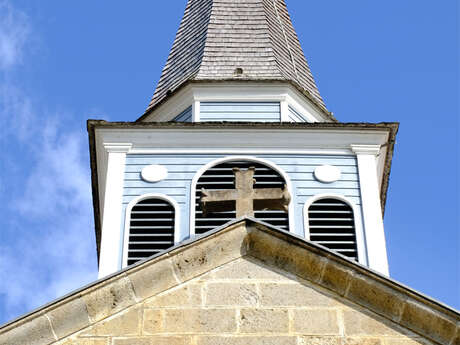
327	173
154	173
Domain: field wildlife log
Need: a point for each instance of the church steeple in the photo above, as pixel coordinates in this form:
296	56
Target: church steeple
250	40
238	73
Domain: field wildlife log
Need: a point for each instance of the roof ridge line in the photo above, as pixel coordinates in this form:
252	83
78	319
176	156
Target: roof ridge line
272	48
198	70
286	39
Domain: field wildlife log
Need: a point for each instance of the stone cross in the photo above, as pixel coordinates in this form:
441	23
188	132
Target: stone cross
246	198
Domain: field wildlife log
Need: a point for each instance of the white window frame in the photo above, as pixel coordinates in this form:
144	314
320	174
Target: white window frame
129	208
218	161
359	231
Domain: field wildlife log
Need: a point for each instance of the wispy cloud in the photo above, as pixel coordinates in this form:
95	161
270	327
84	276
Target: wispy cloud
49	249
16	113
14	31
60	170
47	245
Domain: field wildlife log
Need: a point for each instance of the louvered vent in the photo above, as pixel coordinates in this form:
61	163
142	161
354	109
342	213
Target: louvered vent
221	177
151	229
332	225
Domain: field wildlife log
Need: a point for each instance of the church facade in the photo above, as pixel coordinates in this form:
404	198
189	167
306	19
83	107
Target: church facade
237	209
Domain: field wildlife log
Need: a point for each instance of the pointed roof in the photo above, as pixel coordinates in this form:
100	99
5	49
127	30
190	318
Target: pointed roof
236	40
382	297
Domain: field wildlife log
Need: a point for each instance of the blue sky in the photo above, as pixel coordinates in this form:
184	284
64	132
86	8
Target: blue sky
63	62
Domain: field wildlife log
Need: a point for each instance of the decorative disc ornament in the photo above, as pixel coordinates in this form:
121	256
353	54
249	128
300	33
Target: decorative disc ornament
327	173
154	173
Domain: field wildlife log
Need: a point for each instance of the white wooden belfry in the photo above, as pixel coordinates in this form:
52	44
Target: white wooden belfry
233	98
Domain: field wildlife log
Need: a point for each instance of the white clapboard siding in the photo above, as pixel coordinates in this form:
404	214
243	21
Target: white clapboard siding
299	168
240	111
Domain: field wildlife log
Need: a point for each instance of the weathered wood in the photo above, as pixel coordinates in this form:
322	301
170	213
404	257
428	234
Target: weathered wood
244	198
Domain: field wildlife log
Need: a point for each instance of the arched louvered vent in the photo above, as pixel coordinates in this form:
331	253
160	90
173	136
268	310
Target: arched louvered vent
332	224
151	229
221	177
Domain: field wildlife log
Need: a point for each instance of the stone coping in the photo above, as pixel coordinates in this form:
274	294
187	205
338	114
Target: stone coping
236	239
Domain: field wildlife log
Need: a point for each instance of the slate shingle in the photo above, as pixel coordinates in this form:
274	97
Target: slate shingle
217	36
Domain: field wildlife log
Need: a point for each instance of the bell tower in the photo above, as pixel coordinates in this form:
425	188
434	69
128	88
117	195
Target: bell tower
237	98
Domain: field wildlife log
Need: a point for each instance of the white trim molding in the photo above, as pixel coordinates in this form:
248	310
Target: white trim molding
284	111
372	212
118	147
196	111
228	138
209	165
129	208
113	198
366	149
360	238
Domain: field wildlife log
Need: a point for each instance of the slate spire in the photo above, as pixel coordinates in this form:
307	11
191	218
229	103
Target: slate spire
236	40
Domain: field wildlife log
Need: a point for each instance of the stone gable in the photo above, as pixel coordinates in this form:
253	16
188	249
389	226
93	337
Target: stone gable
244	302
243	284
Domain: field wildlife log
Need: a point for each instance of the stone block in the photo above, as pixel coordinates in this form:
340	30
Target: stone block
210	252
244	340
152	278
69	317
109	298
286	256
36	331
293	295
435	325
188	295
231	294
376	296
315	322
153	321
86	341
264	321
407	341
456	340
247	268
167	340
335	277
357	323
315	340
199	320
122	324
362	341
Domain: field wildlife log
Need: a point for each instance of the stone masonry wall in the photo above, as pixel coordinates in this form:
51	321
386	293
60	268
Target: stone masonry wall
244	303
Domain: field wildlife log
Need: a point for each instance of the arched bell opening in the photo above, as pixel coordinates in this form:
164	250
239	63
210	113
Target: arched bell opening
221	177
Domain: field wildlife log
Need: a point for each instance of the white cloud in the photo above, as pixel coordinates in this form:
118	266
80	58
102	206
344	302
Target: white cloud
16	113
47	246
14	30
53	252
60	170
